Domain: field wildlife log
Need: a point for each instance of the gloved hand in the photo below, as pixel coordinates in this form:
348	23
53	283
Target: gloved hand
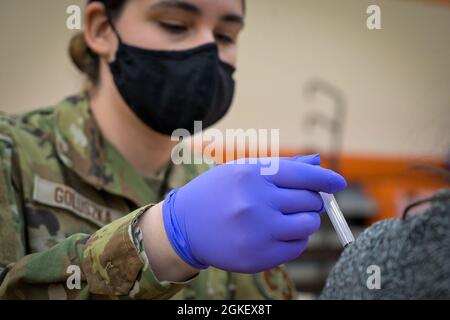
235	219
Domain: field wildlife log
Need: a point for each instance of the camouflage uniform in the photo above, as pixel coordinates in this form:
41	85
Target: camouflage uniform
65	200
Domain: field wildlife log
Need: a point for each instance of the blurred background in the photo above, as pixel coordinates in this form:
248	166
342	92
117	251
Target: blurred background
374	103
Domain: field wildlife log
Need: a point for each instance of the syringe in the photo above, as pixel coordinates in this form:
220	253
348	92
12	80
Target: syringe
337	219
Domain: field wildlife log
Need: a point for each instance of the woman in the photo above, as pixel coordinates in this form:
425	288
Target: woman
154	66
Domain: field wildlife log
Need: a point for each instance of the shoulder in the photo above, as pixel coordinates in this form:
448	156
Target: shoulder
37	128
27	143
26	128
186	171
200	165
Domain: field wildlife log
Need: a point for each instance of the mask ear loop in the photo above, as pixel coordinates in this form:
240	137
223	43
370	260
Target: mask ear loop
110	21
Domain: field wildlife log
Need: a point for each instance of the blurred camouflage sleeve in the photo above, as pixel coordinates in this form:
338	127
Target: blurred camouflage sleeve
105	265
11	222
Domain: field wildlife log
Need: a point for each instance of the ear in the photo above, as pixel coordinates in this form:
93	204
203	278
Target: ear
98	32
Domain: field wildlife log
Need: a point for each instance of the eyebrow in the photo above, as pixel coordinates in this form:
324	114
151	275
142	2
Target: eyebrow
233	18
178	4
188	7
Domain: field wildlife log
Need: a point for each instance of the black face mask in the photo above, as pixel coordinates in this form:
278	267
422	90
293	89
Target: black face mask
169	90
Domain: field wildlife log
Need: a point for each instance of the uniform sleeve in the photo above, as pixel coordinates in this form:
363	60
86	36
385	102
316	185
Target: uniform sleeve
105	265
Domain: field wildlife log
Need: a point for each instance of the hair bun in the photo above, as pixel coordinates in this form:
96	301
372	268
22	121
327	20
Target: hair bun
83	57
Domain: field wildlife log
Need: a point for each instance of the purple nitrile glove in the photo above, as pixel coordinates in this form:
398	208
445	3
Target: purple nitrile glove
235	219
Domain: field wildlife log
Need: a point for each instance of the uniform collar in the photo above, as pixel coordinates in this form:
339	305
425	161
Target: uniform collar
81	148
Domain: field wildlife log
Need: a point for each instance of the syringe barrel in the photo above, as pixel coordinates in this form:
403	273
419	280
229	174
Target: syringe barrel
337	219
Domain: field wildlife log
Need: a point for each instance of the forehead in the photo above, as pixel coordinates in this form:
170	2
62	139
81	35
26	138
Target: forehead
204	6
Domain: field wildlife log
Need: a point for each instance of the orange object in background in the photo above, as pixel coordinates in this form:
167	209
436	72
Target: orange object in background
392	182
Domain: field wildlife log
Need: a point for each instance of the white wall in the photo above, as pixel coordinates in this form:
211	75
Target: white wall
397	80
35	69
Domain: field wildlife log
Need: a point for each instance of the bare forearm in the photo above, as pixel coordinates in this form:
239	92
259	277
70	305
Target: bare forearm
165	262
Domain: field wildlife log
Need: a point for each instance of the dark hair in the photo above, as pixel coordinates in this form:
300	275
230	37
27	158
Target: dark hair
86	60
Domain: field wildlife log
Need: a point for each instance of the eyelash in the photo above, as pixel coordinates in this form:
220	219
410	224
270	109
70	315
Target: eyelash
173	28
224	38
180	29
